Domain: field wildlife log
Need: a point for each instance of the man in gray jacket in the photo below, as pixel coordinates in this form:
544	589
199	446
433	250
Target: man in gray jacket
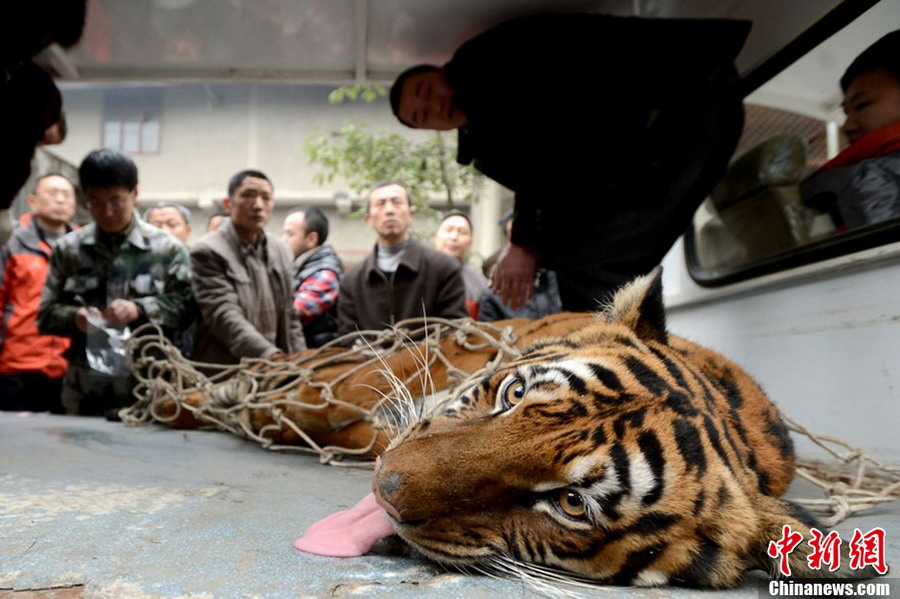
242	279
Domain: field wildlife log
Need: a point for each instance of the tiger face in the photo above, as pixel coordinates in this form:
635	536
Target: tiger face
620	454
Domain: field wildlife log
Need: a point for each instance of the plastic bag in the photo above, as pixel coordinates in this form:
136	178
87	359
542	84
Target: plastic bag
105	347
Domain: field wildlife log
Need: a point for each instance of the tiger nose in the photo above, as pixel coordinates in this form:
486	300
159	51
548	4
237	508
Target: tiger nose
387	484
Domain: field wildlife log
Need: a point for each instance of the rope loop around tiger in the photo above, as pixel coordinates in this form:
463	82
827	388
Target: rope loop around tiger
166	379
853	483
279	403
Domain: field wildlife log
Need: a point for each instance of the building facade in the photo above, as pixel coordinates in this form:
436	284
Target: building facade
187	139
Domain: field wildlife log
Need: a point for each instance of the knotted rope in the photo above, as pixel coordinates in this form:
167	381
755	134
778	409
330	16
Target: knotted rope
853	483
298	402
173	390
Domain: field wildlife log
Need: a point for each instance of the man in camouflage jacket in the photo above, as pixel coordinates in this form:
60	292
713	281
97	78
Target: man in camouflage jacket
119	271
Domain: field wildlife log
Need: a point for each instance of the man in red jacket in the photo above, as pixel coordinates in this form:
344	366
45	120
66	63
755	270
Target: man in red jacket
31	364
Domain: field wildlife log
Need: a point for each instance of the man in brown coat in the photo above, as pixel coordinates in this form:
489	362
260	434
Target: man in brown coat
242	279
402	278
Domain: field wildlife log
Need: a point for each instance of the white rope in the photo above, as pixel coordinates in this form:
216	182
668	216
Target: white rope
237	398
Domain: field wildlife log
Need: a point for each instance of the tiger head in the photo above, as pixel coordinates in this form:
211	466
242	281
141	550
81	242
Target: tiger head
621	454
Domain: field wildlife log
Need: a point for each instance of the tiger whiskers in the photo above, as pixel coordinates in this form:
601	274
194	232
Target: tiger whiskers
542	580
546	581
392	411
396	409
423	370
400	409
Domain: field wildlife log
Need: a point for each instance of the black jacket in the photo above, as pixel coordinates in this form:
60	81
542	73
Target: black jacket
588	117
426	283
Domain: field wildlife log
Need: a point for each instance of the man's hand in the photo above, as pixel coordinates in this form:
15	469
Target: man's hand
83	315
513	276
121	312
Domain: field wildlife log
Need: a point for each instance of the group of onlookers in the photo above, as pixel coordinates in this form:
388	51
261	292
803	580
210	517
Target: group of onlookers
69	294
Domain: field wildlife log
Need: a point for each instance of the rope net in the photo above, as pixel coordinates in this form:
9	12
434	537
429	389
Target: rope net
348	398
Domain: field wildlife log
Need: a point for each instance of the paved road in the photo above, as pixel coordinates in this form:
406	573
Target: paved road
151	513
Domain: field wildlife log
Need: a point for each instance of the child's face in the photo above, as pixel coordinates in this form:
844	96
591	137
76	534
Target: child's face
872	101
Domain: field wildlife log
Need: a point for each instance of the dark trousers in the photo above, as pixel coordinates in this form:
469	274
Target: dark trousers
90	393
32	392
617	233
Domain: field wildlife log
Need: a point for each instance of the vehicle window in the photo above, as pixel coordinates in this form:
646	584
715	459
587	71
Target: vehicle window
796	192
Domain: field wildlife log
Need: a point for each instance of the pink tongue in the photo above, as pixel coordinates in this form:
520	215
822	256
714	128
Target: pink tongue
348	533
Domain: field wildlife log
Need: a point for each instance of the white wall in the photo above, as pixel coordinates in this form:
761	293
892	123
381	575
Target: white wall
211	131
823	340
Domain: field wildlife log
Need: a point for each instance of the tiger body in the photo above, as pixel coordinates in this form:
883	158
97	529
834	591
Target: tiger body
619	453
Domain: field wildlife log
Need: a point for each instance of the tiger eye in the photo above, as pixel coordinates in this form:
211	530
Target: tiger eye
512	390
571	503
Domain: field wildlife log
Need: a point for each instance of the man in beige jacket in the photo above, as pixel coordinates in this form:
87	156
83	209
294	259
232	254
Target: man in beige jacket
242	281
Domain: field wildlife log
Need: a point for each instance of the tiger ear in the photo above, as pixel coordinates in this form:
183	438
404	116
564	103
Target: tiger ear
639	306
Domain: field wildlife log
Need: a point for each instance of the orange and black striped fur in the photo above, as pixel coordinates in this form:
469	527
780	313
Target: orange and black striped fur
620	453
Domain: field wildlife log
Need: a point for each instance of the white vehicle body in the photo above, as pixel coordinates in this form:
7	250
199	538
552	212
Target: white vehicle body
823	339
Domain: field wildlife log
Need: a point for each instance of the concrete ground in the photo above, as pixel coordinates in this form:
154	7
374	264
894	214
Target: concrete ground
96	510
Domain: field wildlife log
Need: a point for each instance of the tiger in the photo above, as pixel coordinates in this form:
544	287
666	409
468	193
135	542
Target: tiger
620	453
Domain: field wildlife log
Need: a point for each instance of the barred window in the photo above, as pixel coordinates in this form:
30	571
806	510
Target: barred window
132	123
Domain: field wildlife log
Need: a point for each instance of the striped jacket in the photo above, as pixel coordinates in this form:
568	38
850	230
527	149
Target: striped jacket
24	262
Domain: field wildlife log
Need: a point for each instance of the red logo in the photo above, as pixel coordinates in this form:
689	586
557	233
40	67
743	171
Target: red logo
783	547
826	550
865	550
868	550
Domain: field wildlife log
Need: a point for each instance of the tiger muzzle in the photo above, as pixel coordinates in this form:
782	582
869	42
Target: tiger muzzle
409	489
385	487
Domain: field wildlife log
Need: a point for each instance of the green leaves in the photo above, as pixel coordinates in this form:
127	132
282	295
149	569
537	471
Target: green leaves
367	92
361	157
